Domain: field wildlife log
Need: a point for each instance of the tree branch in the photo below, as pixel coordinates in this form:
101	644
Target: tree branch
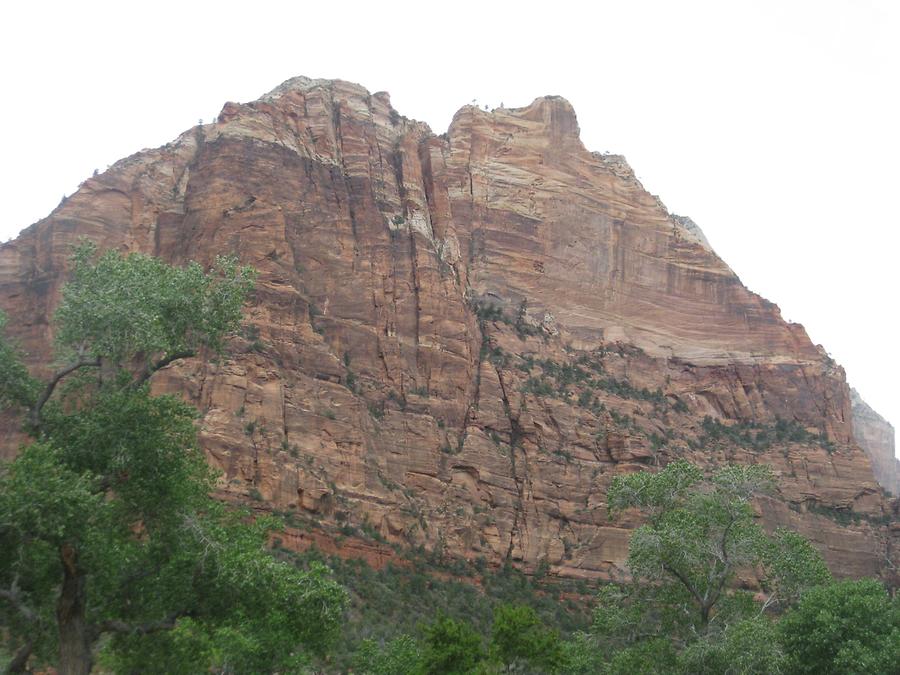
20	658
117	626
684	580
162	363
15	598
772	599
35	416
719	587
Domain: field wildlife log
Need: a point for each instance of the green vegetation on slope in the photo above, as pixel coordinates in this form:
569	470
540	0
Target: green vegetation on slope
404	599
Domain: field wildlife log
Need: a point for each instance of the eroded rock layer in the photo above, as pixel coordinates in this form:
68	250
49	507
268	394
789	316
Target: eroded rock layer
458	340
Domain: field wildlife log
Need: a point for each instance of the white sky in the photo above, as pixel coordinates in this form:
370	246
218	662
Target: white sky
774	125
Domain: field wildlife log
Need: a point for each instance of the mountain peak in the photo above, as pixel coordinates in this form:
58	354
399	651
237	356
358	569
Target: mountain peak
302	83
555	112
442	320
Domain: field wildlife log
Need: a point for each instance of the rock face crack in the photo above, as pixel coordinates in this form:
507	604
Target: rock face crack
519	478
414	273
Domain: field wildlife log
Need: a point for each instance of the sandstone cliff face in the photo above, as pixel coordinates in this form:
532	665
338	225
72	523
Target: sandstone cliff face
458	340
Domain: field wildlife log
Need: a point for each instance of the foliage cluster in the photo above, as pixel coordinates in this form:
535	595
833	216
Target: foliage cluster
401	599
519	642
491	313
555	379
759	436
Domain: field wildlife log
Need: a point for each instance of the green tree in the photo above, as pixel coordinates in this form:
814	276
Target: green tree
701	531
649	657
519	638
632	613
451	647
647	628
17	388
747	647
791	566
106	524
582	655
847	627
400	656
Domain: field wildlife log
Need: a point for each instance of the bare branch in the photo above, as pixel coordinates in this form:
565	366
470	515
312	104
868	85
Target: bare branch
117	626
162	363
15	598
35	415
771	600
684	580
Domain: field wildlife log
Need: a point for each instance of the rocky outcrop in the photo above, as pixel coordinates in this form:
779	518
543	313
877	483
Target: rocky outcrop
875	435
458	340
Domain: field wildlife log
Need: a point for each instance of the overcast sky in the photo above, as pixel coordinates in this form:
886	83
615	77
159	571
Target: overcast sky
774	125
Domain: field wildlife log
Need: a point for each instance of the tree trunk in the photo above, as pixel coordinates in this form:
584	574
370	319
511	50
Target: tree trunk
74	634
704	616
20	659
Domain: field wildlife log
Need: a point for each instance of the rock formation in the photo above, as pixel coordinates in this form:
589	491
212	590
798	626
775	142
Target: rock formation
875	435
458	340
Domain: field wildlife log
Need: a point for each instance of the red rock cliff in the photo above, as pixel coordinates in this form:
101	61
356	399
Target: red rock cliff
460	339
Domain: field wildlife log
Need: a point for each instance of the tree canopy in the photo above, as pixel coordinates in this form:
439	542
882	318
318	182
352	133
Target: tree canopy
851	627
701	531
684	612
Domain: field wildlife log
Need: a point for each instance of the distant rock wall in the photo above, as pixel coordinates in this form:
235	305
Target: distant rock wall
459	340
875	435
